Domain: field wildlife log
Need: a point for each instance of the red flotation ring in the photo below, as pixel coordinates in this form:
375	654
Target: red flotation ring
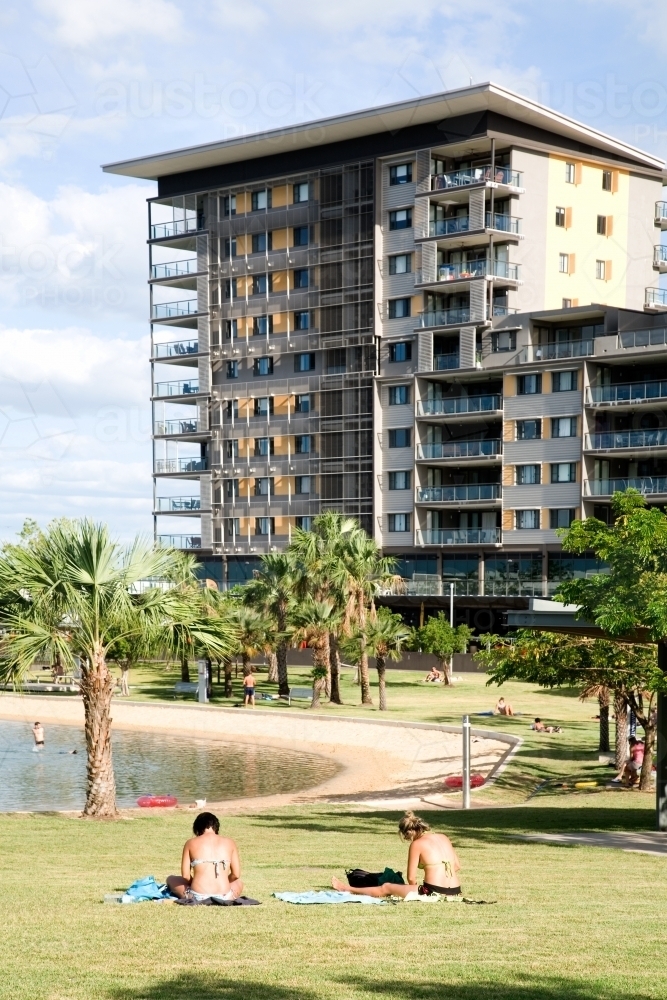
156	801
456	781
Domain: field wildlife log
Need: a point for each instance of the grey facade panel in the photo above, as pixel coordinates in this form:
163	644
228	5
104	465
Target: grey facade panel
551	450
545	404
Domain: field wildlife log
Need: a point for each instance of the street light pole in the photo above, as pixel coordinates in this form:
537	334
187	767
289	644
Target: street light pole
465	731
451	604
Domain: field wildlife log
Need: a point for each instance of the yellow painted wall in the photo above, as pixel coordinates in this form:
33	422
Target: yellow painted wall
585	200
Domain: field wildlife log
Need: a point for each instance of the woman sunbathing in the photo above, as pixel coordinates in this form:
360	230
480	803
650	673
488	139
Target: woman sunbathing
433	852
210	866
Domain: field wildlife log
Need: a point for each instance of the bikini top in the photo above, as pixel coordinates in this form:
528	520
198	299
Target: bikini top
209	861
447	864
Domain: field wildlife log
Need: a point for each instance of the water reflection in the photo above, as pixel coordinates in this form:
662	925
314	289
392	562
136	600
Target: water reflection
146	764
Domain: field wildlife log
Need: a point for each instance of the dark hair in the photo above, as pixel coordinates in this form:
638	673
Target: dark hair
204	822
538	720
633	740
411	827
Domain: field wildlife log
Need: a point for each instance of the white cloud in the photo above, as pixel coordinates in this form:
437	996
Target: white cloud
80	24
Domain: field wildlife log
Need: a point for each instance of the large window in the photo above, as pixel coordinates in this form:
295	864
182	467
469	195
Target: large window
528	385
400	480
463	572
231	488
399	308
562	567
229	205
232	369
263	406
262	366
302	484
563	427
262	283
401	263
304	362
264	486
301	278
399	522
527	520
263	447
262	326
400	174
303	444
400	219
303	523
261	200
513	575
302	320
231	329
300	192
564	472
528	430
563	381
265	526
300	236
528	475
561	518
400	351
261	242
303	403
399	395
400	437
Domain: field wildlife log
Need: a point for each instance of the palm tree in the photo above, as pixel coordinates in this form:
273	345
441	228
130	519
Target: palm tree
272	592
385	637
72	591
253	632
312	622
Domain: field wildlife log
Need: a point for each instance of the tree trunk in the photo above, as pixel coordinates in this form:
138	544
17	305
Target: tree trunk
125	681
218	665
379	663
603	702
97	685
646	775
334	666
228	679
365	680
283	681
621	713
209	679
273	668
318	685
446	667
320	666
185	670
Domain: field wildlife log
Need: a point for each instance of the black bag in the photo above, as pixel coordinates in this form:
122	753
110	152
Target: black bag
360	879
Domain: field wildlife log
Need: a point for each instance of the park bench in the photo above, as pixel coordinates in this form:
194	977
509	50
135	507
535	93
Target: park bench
300	693
186	687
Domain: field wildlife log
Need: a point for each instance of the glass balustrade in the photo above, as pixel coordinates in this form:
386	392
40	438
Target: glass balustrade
170	310
459	494
563	349
177	227
445	317
176	349
655	297
180	541
177	504
627	439
461	224
646	485
478	269
627	392
465	176
461	449
177	388
660	210
643	338
175	269
659	255
443	362
173	465
461	404
461	536
176	427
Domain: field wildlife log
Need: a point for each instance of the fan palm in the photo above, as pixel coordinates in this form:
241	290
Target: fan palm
312	622
272	593
385	637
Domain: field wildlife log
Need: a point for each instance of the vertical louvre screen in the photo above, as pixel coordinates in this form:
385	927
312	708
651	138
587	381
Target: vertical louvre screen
428	256
421	217
467	347
478	301
425	351
423	170
476	209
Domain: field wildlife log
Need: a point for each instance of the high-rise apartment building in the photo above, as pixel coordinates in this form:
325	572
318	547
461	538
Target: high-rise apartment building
440	316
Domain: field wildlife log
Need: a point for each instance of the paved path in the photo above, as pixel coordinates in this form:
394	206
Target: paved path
638	843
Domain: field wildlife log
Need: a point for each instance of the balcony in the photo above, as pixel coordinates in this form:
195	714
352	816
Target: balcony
176	349
443	362
471	271
655	299
461	224
660	217
605	487
176	269
562	349
459	405
459	536
643	338
459	494
469	176
189	388
177	227
660	258
173	310
445	317
172	466
620	440
171	428
179	541
178	505
627	392
488	448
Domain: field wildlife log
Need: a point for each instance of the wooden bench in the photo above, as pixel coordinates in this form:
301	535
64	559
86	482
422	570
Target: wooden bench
300	694
186	687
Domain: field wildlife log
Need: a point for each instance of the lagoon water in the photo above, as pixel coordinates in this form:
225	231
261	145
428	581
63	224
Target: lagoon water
146	764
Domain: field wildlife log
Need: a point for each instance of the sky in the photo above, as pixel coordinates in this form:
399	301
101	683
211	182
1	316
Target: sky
87	82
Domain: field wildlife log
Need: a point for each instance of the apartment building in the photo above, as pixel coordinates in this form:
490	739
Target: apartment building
433	316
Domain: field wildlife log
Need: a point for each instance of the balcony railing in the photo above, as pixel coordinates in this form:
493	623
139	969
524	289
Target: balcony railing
643	338
445	317
605	487
176	269
177	504
627	439
176	427
178	227
466	176
660	212
461	224
478	269
459	494
176	349
180	541
461	449
460	404
659	255
177	388
655	298
564	349
443	362
169	310
461	536
627	392
167	465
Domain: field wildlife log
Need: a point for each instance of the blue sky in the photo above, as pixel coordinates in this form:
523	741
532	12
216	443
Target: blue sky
85	82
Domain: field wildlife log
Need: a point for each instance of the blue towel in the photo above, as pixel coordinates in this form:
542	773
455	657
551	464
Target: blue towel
144	889
327	896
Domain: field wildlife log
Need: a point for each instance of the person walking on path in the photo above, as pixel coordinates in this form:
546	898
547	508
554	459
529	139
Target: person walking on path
249	688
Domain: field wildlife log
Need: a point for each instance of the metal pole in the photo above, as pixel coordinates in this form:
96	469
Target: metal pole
661	749
466	761
202	682
451	604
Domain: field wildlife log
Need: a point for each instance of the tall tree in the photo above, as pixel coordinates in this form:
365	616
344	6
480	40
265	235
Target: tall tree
272	593
312	622
437	636
385	637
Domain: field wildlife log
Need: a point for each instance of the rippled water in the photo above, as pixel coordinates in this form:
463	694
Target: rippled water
146	764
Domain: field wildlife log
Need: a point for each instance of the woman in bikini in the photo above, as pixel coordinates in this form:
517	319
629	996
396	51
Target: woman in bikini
432	852
210	866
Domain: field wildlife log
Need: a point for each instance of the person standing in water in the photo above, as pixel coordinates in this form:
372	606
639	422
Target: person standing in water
38	735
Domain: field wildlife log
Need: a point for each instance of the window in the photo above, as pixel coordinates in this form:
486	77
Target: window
301	278
303	403
263	406
229	205
231	488
399	395
232	448
400	351
602	225
231	288
264	486
301	320
302	484
262	283
232	409
262	326
503	340
561	518
400	219
399	522
400	174
528	475
528	430
300	236
303	444
304	362
400	437
303	523
606	180
232	369
230	247
262	366
564	427
400	480
527	519
570	173
400	264
232	527
263	447
399	308
261	242
564	472
300	193
265	525
260	200
528	385
567	303
601	270
564	263
563	381
231	329
560	217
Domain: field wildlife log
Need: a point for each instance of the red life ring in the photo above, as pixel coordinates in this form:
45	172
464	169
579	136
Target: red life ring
156	801
456	781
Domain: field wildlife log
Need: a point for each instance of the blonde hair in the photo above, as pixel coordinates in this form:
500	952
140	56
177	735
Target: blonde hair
411	827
